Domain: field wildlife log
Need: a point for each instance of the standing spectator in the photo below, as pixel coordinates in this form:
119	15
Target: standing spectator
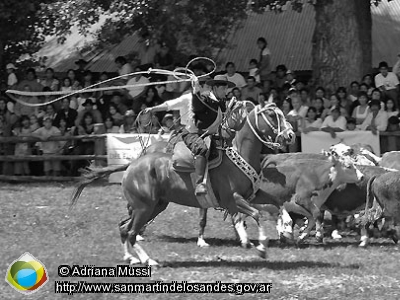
233	76
334	123
22	149
117	117
138	89
376	120
396	67
320	93
80	72
34	123
290	78
361	111
377	95
123	68
110	126
49	148
22	109
391	109
305	97
50	112
311	122
163	59
287	106
264	67
166	95
12	79
321	111
251	91
334	100
88	109
147	50
129	125
387	82
50	81
31	81
298	112
119	102
151	98
66	113
253	70
280	78
103	98
7	111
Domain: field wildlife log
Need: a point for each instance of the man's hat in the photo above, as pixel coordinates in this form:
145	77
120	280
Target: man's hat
220	80
10	66
88	101
375	102
81	61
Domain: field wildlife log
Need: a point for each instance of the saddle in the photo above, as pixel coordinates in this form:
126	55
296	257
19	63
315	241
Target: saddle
183	161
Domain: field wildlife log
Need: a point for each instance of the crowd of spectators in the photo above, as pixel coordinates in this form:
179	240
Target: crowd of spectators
371	103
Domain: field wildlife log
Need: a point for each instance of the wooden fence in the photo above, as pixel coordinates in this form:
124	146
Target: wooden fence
390	141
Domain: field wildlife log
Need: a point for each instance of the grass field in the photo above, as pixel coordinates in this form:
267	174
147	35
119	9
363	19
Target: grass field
35	218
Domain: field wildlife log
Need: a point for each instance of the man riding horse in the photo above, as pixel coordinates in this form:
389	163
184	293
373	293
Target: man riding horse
202	113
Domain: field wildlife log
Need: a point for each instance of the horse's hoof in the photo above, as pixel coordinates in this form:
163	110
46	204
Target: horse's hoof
247	245
261	251
132	260
363	244
202	244
288	235
139	238
152	263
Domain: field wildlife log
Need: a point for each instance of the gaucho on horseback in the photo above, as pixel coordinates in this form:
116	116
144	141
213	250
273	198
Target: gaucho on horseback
202	112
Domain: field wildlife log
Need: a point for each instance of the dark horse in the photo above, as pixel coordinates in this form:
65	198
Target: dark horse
151	182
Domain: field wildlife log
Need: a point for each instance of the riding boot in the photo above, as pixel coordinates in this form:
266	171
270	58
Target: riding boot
200	163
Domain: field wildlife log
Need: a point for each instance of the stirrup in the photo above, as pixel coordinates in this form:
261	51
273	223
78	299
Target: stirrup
201	189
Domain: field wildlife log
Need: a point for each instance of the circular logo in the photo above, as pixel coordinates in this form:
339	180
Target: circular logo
26	274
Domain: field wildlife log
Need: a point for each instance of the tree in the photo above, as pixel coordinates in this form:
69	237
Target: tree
342	40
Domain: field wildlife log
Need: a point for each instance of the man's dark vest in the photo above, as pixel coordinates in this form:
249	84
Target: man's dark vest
206	111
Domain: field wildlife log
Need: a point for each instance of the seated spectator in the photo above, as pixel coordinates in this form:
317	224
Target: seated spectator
251	91
75	83
286	106
110	126
7	111
66	113
334	123
12	79
262	99
22	149
145	124
393	124
321	111
21	109
88	108
151	98
376	120
387	82
298	112
351	124
120	103
361	111
391	109
305	97
117	118
31	81
50	81
320	93
129	125
354	90
334	100
137	82
162	92
368	81
34	122
253	70
50	112
167	124
280	78
51	167
233	76
311	122
237	94
123	68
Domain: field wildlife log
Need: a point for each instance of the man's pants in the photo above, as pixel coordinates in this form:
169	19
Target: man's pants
195	143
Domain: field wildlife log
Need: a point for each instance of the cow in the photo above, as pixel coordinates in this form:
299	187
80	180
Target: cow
384	193
303	185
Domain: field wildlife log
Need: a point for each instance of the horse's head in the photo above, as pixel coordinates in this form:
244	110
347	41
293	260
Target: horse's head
270	126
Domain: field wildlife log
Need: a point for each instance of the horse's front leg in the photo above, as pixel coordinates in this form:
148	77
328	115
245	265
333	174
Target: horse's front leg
202	224
238	223
245	208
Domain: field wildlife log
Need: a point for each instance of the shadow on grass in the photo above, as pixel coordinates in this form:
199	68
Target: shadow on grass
214	242
273	265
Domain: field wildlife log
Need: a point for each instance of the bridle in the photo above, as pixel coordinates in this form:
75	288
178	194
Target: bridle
278	130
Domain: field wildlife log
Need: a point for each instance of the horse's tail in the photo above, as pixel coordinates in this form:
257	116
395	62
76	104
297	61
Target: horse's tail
93	175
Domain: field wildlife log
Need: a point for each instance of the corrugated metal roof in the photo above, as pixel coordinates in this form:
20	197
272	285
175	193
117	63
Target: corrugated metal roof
289	37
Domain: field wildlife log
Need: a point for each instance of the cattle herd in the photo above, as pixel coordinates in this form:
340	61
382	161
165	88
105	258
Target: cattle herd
348	182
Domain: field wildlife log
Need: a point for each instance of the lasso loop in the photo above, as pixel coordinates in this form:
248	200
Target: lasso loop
189	74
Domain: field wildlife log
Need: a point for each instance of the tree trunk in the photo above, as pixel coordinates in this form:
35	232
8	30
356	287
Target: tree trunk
342	42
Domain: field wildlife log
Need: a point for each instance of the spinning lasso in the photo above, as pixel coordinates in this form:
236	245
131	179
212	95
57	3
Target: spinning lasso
177	73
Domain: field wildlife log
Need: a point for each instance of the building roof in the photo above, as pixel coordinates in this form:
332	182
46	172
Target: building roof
289	35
